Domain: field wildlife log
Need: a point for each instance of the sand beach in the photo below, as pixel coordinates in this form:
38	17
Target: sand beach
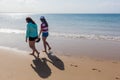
18	65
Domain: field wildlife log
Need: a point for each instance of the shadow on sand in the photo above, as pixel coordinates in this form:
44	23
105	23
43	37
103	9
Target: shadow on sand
57	62
41	67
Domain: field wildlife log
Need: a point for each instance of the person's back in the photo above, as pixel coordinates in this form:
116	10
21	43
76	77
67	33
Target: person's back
32	35
44	27
45	33
32	30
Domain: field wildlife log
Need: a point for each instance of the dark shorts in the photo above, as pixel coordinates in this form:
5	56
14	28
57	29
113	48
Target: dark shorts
45	34
32	38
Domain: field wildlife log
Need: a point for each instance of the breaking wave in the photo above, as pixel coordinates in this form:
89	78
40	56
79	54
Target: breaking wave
67	35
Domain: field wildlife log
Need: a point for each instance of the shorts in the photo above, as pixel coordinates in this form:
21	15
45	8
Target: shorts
45	34
32	38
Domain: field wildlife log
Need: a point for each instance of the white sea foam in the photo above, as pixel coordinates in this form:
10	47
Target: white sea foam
13	49
67	35
86	36
16	31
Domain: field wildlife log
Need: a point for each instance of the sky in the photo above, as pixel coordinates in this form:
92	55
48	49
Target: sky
60	6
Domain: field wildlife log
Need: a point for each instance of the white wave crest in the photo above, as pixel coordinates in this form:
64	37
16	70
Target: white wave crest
16	31
67	35
86	36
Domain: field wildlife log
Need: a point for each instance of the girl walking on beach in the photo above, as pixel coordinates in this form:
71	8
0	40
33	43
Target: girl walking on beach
32	35
44	31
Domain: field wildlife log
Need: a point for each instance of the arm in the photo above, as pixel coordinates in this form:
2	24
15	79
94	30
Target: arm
40	33
27	33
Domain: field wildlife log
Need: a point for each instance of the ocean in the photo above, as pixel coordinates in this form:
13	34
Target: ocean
68	26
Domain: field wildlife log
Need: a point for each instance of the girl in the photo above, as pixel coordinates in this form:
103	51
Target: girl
44	31
32	35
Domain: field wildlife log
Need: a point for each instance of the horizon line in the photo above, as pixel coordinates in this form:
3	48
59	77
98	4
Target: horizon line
61	13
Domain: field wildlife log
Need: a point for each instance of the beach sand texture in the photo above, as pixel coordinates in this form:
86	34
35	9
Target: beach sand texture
16	66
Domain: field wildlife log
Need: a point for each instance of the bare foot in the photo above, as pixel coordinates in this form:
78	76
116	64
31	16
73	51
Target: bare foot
49	48
38	55
44	51
31	53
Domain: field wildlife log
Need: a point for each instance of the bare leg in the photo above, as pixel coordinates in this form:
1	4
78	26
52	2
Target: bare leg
44	43
49	48
32	46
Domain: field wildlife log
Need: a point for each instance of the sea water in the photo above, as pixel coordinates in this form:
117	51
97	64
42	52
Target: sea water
72	26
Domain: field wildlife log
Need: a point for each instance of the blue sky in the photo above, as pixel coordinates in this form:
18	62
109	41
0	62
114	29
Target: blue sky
61	6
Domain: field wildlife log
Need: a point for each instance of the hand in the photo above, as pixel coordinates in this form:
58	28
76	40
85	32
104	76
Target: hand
26	40
37	40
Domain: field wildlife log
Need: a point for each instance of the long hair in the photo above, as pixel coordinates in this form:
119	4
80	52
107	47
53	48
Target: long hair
29	19
44	21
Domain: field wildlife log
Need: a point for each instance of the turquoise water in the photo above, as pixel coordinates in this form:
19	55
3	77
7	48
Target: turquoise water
88	26
72	26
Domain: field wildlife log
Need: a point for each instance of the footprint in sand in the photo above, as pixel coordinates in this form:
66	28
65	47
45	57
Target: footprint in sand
73	65
115	62
94	69
117	78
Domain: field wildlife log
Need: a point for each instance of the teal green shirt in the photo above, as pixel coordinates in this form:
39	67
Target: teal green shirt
32	30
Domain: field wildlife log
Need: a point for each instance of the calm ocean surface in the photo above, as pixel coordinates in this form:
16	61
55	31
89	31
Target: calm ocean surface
75	26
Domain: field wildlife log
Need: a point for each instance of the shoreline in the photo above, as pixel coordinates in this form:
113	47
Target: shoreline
99	49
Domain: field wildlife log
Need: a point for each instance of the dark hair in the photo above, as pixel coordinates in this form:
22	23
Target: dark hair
29	19
44	20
